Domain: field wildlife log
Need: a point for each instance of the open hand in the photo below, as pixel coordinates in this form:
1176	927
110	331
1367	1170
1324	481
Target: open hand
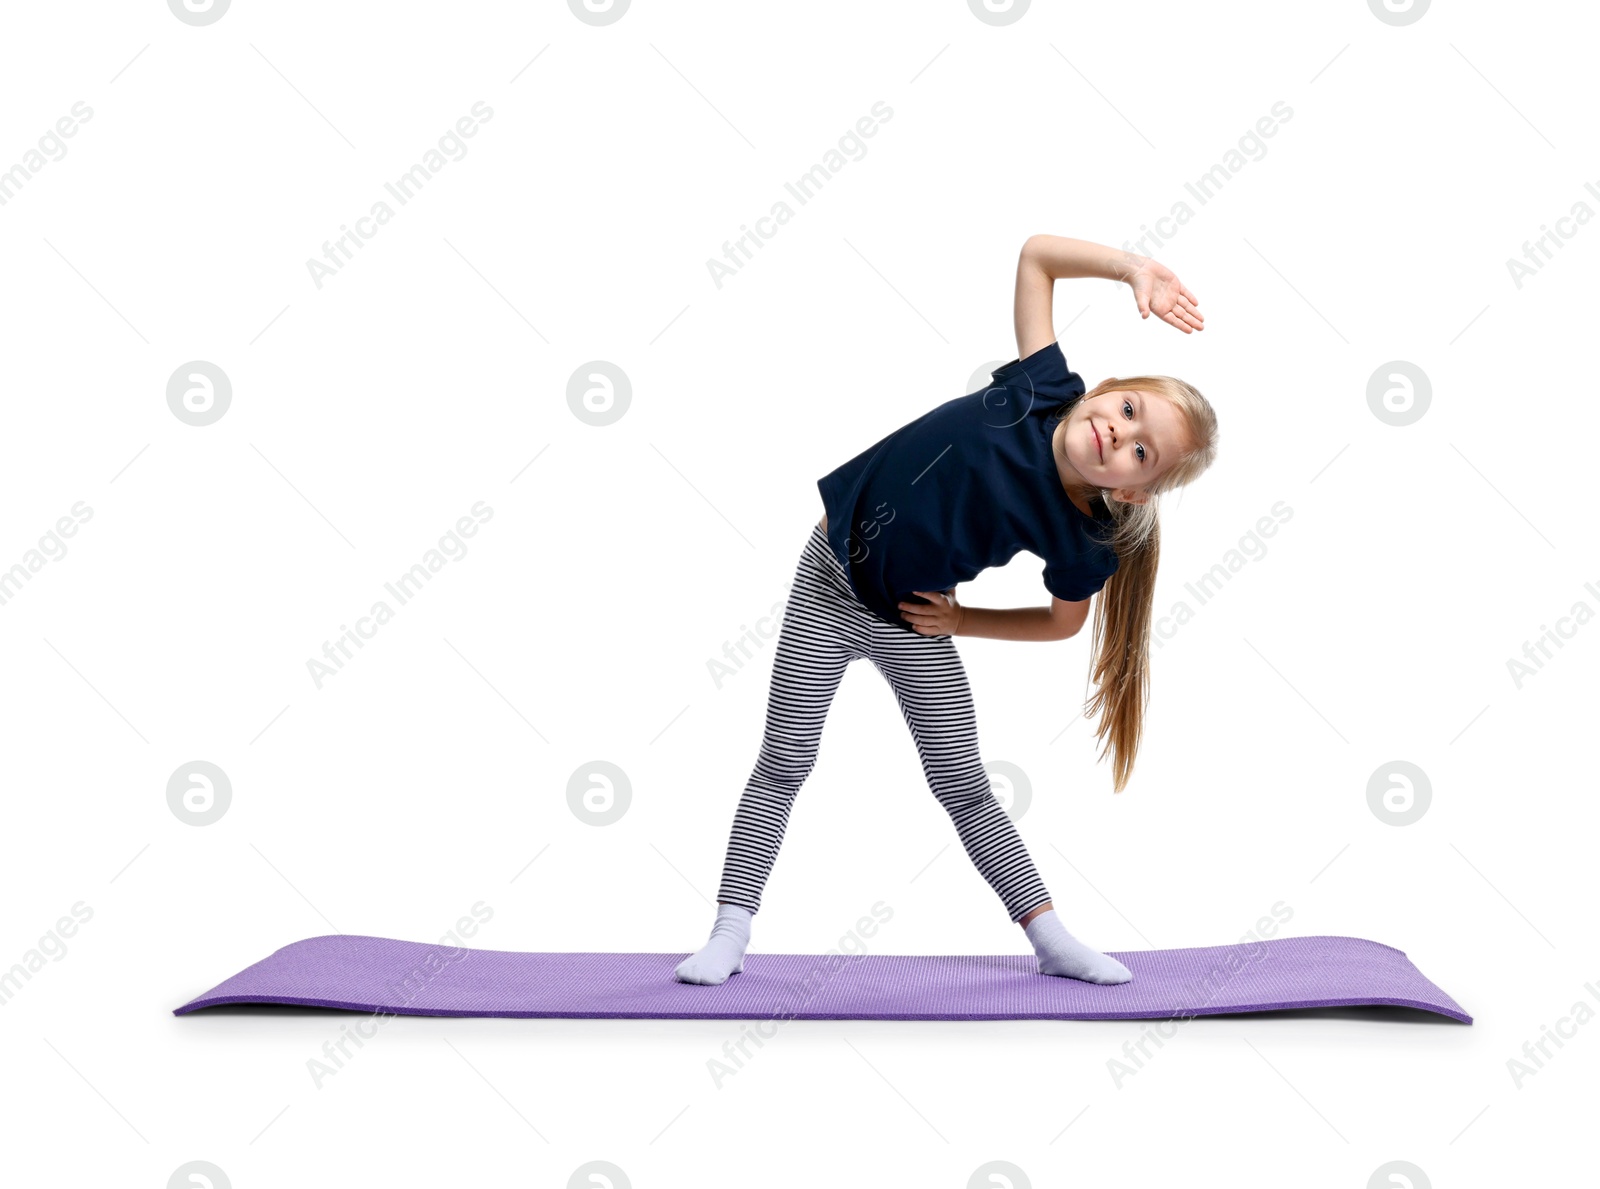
1157	290
940	616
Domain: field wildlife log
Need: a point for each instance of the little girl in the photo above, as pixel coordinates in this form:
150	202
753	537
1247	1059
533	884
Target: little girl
1031	462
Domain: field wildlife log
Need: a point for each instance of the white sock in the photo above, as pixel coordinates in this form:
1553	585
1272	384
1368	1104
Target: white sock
1061	953
723	955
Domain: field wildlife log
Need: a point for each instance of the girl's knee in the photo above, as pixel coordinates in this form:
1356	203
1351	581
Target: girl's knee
965	796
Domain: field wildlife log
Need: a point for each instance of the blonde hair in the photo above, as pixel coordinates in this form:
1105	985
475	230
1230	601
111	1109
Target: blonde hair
1121	635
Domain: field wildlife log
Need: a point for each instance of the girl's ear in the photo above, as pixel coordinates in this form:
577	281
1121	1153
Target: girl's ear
1132	495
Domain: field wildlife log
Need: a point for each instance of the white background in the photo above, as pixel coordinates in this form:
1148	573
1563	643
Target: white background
431	373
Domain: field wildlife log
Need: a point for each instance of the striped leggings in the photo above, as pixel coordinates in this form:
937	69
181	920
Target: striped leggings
825	627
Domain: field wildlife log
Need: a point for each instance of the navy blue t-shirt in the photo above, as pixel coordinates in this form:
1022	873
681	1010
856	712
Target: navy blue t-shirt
964	487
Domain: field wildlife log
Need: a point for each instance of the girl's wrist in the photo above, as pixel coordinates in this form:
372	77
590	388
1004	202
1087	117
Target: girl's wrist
1126	265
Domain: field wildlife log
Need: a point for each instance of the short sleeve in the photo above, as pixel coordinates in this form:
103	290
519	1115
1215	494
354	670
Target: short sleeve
1073	589
1044	376
1076	583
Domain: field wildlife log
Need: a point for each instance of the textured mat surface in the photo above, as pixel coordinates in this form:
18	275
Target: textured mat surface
417	978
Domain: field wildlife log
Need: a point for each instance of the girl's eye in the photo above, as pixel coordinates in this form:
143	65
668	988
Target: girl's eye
1127	408
1141	452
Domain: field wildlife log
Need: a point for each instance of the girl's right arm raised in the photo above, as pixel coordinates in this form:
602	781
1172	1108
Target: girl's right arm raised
1046	259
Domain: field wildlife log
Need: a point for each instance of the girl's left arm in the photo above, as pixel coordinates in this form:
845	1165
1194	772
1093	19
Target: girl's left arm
1034	624
942	615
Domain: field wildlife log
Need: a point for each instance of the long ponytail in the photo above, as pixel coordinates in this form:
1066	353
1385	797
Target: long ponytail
1120	638
1120	648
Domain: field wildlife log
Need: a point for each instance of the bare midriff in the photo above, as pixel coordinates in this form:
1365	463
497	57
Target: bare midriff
824	522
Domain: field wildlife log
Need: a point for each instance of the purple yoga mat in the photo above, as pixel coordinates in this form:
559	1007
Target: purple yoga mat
419	979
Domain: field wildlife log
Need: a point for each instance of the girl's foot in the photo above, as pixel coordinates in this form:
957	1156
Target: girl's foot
1060	953
723	954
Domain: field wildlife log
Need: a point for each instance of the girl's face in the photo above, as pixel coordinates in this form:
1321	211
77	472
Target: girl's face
1122	440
